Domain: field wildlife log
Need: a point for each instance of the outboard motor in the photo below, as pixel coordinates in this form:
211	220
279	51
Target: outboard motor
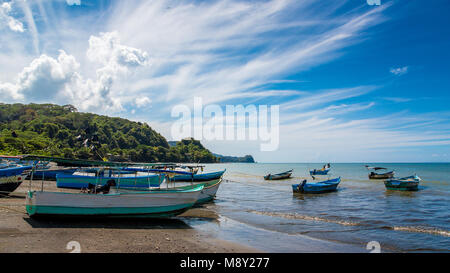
300	187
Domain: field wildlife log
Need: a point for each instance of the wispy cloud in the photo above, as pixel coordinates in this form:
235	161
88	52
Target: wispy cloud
10	21
399	71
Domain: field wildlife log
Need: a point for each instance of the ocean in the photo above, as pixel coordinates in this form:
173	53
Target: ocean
266	215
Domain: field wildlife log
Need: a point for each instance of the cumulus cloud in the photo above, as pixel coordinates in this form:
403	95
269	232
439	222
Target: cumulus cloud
73	2
43	78
142	101
13	24
399	71
59	80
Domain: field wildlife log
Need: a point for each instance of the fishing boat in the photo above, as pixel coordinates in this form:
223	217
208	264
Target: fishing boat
387	175
198	177
319	187
81	179
410	183
12	178
324	171
162	203
207	194
374	175
279	176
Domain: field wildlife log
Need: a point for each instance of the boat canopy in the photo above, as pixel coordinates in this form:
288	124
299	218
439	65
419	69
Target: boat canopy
376	168
91	163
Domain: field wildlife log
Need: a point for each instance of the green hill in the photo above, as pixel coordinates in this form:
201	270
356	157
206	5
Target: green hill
53	130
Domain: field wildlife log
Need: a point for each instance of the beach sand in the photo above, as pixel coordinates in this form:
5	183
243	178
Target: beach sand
20	233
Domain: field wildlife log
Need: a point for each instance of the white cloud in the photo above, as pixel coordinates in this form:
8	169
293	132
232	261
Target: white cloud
73	2
49	79
142	101
13	24
399	71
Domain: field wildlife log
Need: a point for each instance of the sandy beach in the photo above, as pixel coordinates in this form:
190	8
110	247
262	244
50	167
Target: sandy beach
19	233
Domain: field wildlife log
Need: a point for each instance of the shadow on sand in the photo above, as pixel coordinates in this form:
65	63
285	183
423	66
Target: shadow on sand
110	223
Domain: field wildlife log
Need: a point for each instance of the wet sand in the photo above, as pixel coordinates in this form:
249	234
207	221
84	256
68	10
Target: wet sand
20	233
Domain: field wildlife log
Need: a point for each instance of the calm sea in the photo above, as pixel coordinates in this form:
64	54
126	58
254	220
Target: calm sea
268	216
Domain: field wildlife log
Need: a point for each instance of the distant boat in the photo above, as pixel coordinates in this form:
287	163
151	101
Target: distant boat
12	178
198	177
162	203
324	171
319	187
278	176
410	183
387	175
79	180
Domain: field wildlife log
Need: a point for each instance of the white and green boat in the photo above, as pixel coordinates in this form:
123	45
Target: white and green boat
158	203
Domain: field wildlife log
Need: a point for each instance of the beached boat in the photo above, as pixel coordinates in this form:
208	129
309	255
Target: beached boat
319	187
82	179
388	175
198	177
161	203
410	183
278	176
12	178
50	175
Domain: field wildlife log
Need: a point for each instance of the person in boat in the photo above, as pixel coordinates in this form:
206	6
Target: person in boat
300	186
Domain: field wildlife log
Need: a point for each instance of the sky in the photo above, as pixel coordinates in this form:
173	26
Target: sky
354	82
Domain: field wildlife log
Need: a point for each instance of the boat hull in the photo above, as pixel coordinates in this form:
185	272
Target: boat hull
198	177
278	176
10	184
208	192
127	204
316	188
82	181
381	175
319	172
401	185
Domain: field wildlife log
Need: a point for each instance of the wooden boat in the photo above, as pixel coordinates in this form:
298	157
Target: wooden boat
12	178
410	183
278	176
198	177
319	187
388	175
79	180
161	203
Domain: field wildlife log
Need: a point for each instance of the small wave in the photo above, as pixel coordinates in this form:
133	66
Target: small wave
427	230
304	217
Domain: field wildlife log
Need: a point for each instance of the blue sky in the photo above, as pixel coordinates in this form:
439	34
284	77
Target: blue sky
355	83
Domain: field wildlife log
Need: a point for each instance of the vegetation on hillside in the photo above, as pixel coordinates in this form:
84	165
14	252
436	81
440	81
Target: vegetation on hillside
52	130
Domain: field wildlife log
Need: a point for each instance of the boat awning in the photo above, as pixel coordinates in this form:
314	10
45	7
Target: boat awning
91	163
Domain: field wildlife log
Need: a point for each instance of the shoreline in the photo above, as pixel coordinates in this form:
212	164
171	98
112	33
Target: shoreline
21	234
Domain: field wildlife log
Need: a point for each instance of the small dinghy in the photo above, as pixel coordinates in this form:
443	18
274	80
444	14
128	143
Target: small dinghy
319	187
279	176
324	171
410	183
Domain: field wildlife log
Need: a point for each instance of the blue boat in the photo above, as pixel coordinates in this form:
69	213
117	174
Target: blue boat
319	187
50	175
324	171
12	178
198	177
82	180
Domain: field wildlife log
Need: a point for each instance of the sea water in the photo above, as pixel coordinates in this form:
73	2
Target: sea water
268	216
